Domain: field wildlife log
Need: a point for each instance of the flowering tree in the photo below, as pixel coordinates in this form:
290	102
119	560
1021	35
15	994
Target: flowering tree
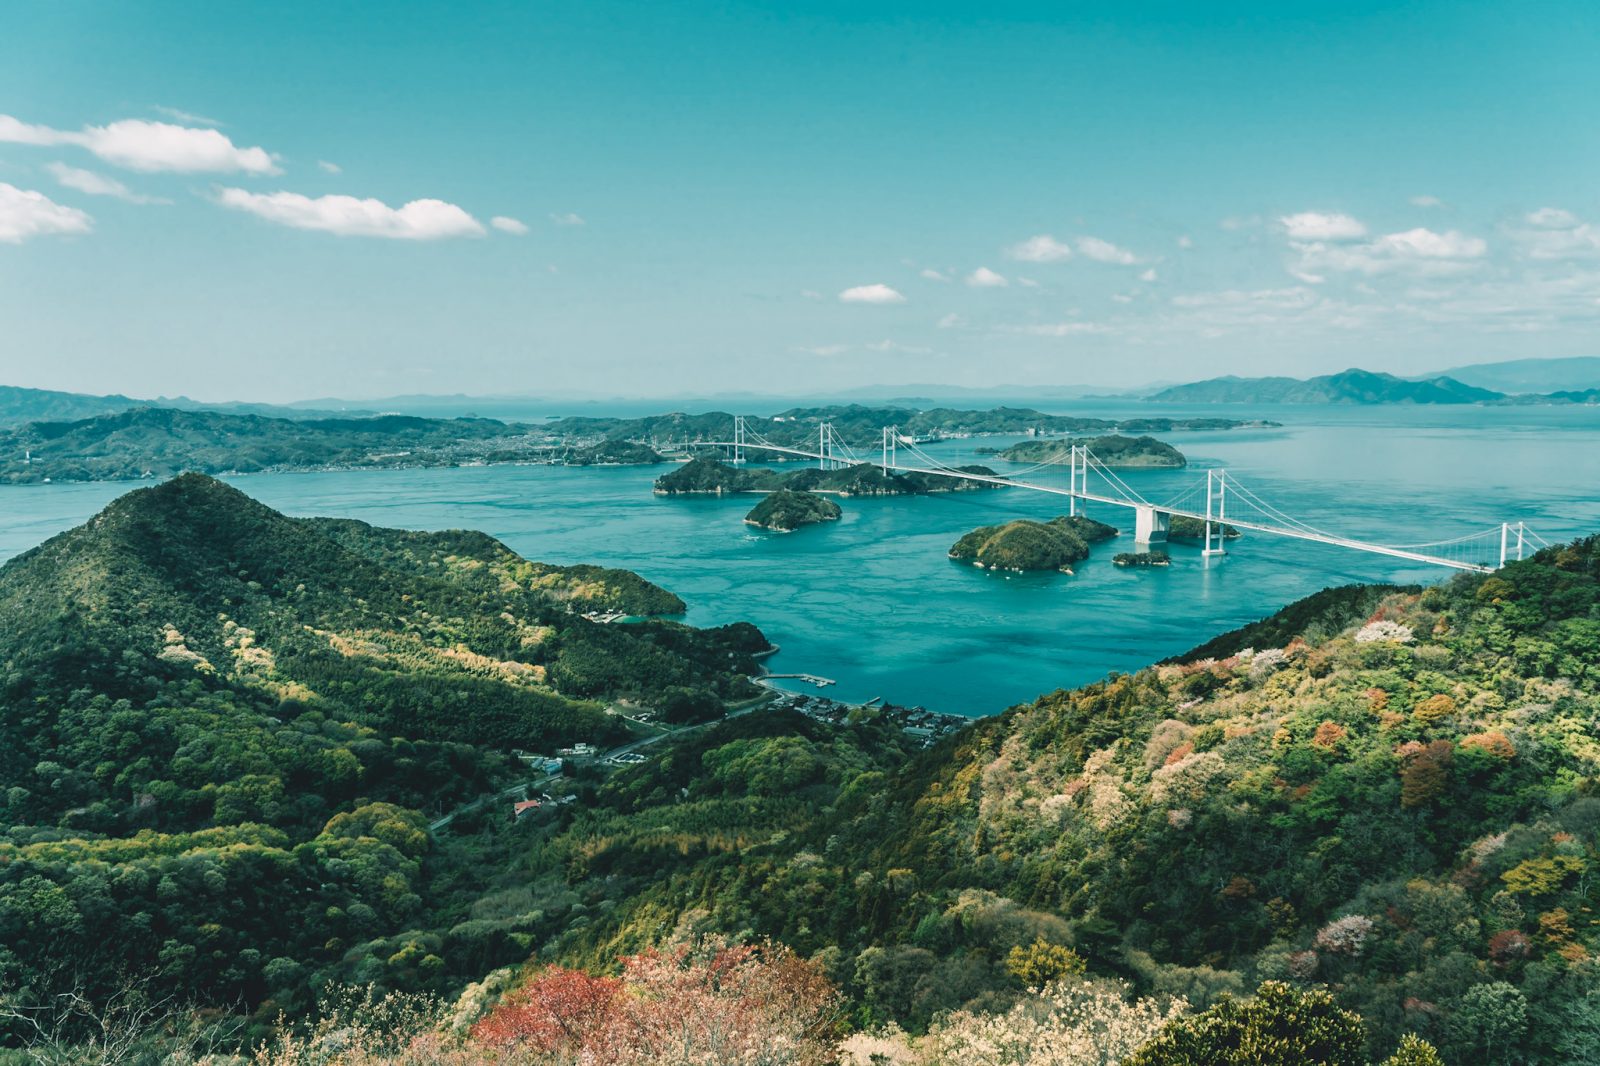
718	1004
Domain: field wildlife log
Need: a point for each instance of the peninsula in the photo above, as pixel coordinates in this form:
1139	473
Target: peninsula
1112	451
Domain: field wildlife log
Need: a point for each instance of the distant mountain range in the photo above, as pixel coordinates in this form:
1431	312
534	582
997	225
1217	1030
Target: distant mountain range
1356	386
19	406
1576	374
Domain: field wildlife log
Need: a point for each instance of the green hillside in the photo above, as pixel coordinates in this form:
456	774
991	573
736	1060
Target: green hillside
219	728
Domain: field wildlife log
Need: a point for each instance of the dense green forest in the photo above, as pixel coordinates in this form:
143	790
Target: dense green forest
1024	544
785	511
224	732
1112	450
221	728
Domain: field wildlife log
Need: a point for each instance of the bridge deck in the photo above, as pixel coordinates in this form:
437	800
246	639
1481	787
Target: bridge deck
1116	501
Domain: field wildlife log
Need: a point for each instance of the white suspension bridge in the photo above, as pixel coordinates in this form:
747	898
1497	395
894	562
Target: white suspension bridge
1227	504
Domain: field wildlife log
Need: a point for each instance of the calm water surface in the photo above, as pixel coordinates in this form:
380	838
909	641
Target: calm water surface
873	602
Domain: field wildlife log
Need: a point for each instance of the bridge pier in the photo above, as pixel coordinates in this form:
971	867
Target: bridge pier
1150	526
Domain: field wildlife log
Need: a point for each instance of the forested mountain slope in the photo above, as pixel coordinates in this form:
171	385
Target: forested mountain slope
1399	806
218	726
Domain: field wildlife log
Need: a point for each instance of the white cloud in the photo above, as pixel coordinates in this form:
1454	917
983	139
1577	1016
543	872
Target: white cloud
1027	283
824	350
1426	201
92	184
1322	226
1423	243
1185	242
186	117
1554	233
1417	251
934	275
419	220
896	346
567	218
951	321
811	294
329	168
1149	275
149	146
984	278
1041	249
25	213
872	294
507	224
1552	218
1105	252
1122	298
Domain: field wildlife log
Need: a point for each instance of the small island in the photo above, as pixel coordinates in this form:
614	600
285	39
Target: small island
1027	544
785	511
1135	560
1112	451
1193	530
615	453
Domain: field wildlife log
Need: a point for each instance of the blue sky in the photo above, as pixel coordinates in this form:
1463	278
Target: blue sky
213	200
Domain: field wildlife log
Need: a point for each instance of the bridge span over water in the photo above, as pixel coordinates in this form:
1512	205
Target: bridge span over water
1218	501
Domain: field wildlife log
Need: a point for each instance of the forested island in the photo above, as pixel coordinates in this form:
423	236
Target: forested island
1141	560
786	510
1112	451
225	734
1025	544
712	477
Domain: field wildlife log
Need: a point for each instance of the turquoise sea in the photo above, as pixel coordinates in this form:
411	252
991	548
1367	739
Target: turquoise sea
873	602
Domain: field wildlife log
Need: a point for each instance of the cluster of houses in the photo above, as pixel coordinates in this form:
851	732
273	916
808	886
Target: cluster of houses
924	725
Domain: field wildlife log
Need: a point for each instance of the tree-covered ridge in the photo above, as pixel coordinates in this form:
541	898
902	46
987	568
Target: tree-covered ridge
707	476
862	425
1113	450
1399	808
218	726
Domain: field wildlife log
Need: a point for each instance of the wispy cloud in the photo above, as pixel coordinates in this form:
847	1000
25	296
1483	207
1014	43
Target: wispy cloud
984	278
1102	251
188	118
346	216
1059	329
1416	251
507	224
149	146
1040	249
934	275
26	213
1426	201
329	168
92	184
567	218
878	293
1322	226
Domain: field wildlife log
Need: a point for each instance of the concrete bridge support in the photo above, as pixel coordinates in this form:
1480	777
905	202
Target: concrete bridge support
1150	526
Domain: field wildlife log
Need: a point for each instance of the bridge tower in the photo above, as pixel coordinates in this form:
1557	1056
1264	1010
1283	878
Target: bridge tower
738	440
825	446
1080	476
891	437
1505	541
1216	513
